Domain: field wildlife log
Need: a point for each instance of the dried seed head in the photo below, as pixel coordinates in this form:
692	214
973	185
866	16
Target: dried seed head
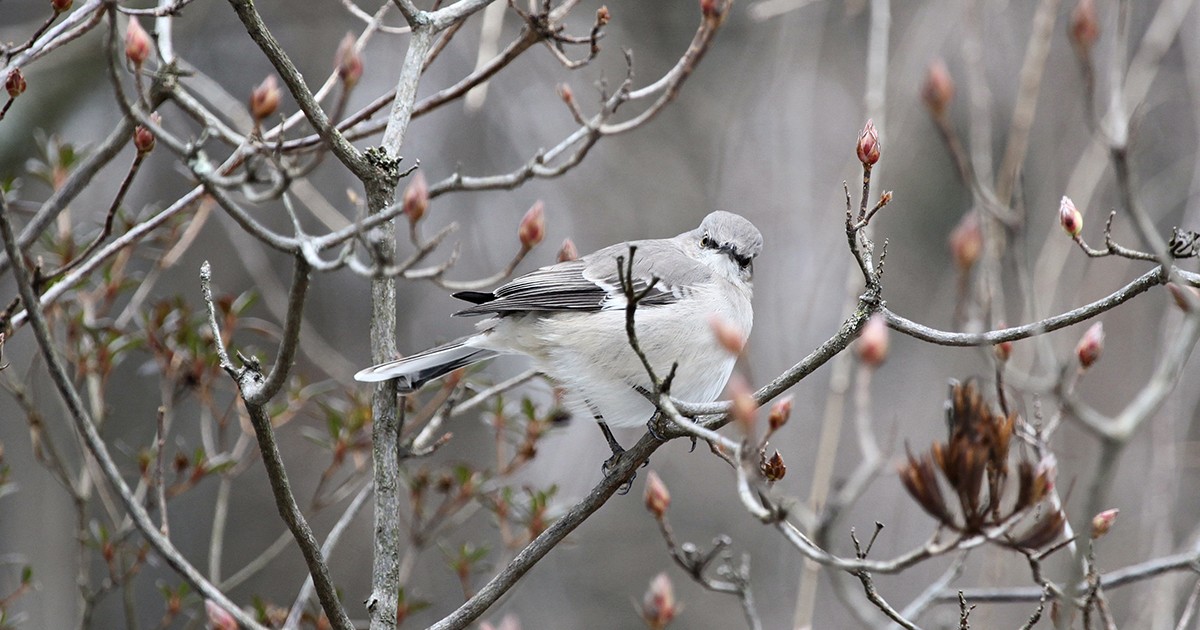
780	412
659	606
938	89
264	100
868	144
1070	217
137	43
416	198
1103	522
602	15
14	83
656	496
1090	345
773	469
567	252
730	337
533	226
872	344
349	62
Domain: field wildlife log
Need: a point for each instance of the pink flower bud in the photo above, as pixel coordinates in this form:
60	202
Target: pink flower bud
659	607
61	6
1003	350
868	144
349	62
565	93
656	496
966	241
938	90
602	15
264	100
218	618
15	83
1070	217
1090	345
780	412
773	469
1103	522
744	408
567	252
143	138
729	336
872	344
416	198
533	226
137	43
1083	29
1180	294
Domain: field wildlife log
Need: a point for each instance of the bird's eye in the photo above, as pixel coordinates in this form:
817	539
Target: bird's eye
706	242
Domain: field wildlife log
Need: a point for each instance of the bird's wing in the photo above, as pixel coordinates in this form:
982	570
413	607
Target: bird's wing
592	283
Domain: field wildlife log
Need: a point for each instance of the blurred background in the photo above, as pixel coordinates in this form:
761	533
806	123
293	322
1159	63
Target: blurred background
766	128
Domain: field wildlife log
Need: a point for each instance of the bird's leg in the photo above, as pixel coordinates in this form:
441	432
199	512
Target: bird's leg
617	450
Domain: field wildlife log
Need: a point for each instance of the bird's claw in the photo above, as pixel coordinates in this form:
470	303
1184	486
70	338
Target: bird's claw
609	467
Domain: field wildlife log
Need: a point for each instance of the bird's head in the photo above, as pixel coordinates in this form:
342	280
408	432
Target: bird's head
729	243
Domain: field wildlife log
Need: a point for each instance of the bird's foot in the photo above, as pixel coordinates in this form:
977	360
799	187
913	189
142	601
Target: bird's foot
609	468
657	426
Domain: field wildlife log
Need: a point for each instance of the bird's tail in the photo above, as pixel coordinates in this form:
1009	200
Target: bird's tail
414	371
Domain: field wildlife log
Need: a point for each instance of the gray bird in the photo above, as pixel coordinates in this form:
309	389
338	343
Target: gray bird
570	319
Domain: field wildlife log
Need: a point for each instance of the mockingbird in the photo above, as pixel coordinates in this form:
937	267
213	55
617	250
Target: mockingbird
570	319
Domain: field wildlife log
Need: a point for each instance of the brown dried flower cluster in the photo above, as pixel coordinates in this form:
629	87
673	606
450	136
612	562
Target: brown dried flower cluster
973	467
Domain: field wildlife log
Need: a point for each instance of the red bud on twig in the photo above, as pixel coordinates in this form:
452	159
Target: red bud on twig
1083	29
938	89
1180	294
14	83
744	407
656	496
1103	522
349	62
218	618
729	336
143	138
416	198
1070	217
1090	345
533	226
137	43
872	344
567	252
264	100
780	412
966	241
868	144
659	607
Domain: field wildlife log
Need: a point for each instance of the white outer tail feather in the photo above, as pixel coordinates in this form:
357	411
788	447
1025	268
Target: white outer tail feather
414	371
